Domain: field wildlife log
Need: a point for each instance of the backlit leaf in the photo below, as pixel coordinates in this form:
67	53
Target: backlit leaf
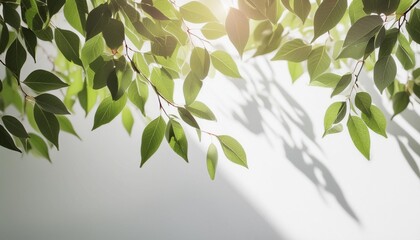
359	134
294	50
127	120
212	157
201	110
318	62
196	12
152	138
177	139
334	114
200	62
237	28
107	110
224	63
233	150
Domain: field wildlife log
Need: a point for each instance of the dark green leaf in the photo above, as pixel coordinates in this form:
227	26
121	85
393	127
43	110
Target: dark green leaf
102	70
137	94
11	17
14	126
380	6
7	141
303	7
388	43
54	6
328	15
233	150
51	103
152	138
114	33
359	134
237	28
187	117
384	72
400	102
363	102
97	20
48	125
176	138
42	81
15	57
108	110
376	121
4	36
212	160
342	84
68	43
295	51
363	29
30	41
201	110
413	25
200	62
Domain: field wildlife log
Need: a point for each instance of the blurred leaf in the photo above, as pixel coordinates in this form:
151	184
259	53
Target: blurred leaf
7	141
127	120
237	28
39	146
196	12
212	156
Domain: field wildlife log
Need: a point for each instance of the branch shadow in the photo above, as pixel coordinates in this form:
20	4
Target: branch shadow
266	100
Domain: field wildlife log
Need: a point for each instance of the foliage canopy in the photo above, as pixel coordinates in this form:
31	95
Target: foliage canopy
117	52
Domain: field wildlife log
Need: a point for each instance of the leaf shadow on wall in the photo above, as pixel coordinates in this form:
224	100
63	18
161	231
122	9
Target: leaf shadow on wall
272	111
411	149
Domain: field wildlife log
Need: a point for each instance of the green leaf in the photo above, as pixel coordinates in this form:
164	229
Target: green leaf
92	49
380	6
342	84
152	138
295	51
201	110
138	94
356	11
30	41
328	15
42	81
7	141
67	126
87	98
376	121
403	6
15	57
39	146
269	42
327	80
196	12
405	53
187	117
163	82
127	120
237	28
355	51
224	63
302	9
140	64
212	160
11	16
114	33
112	84
384	72
51	103
102	70
14	126
192	86
363	102
333	130
54	6
68	43
4	36
400	102
108	110
295	70
334	114
45	34
233	150
48	125
318	62
363	29
388	42
213	30
176	138
75	12
97	20
200	62
359	134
